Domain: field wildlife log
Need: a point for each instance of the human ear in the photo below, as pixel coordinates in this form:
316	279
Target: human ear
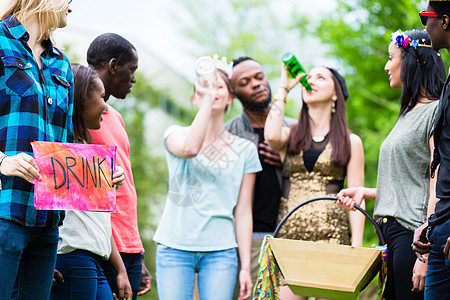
113	65
445	22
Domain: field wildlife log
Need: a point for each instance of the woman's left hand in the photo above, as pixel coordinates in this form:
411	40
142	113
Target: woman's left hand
118	176
245	283
418	277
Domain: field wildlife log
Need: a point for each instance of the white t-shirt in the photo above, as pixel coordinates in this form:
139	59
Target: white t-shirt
203	192
86	230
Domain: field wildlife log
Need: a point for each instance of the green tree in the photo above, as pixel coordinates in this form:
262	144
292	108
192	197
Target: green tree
235	28
357	34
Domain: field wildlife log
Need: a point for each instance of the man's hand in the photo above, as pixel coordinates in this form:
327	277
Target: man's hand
57	276
447	249
124	287
146	280
271	157
421	245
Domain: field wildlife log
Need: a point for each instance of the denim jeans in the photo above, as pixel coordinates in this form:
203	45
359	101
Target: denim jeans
83	277
133	264
437	285
400	261
27	260
175	273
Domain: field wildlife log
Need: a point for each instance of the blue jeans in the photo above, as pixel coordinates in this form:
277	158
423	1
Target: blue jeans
437	285
27	260
83	277
175	273
133	264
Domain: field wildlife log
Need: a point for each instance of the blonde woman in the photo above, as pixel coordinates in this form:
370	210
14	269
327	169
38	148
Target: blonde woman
36	95
207	218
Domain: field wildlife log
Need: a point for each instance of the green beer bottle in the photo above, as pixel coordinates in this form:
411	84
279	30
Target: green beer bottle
295	68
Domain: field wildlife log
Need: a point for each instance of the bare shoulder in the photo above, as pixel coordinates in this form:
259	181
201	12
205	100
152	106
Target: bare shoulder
355	141
287	130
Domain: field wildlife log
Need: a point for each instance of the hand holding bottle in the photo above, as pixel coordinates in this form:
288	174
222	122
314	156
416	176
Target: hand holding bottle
295	69
206	71
204	94
288	82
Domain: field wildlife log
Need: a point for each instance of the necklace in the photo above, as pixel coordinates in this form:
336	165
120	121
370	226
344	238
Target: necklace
318	139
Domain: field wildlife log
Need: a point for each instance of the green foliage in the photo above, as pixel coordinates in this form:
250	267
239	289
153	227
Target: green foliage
357	35
234	28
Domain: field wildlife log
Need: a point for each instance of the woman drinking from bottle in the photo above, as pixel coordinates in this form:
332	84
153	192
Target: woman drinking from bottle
318	153
207	218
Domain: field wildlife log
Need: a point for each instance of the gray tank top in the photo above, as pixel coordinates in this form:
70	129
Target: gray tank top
403	183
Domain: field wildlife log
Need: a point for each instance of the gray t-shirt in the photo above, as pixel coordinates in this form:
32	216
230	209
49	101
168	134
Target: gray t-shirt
403	186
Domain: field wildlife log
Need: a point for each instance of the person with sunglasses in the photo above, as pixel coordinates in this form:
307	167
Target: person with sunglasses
434	236
405	191
36	101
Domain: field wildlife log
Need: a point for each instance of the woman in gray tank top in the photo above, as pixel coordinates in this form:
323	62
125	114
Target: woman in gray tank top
405	194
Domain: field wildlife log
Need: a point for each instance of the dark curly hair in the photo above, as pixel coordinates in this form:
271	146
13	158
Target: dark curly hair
107	46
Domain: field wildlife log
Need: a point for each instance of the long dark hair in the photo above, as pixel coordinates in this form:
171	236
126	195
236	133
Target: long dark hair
300	138
84	83
422	74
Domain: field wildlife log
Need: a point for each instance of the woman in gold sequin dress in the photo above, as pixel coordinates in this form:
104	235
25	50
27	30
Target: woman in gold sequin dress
318	153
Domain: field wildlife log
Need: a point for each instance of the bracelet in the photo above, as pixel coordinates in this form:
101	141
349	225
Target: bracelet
1	160
279	98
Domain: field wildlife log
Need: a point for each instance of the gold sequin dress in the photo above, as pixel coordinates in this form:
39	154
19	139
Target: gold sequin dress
319	221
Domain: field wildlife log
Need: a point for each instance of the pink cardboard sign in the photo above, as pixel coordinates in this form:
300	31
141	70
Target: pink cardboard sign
75	177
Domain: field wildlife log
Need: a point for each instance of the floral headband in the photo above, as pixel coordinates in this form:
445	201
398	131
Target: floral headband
223	65
402	40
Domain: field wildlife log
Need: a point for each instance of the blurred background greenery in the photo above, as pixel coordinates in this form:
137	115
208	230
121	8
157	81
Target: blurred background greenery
354	37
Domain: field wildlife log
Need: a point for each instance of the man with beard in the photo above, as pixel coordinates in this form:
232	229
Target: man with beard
252	88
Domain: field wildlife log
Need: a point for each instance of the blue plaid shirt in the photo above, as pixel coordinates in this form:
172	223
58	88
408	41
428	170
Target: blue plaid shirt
35	105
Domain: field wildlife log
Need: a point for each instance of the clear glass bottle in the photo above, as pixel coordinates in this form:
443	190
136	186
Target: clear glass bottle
206	71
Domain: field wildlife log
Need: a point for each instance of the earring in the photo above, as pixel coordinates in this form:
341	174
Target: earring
333	107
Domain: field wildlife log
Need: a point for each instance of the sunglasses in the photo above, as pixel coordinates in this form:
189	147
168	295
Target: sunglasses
424	15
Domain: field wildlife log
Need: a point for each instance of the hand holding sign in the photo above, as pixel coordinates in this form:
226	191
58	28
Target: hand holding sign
21	165
76	177
118	177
